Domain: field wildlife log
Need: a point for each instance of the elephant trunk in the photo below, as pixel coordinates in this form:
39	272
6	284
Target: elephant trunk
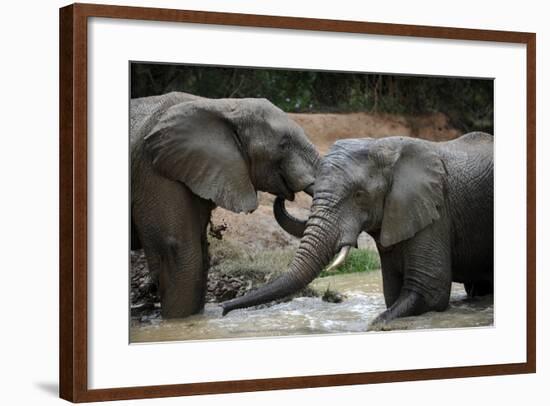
288	222
314	253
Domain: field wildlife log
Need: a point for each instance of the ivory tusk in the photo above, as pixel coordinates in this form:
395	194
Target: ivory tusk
340	258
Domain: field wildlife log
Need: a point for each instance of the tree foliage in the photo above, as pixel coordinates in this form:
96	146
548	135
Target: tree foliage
467	102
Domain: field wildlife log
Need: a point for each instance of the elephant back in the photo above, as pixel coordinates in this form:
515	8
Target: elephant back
146	111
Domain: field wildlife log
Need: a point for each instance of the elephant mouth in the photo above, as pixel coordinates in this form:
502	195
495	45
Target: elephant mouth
309	189
287	192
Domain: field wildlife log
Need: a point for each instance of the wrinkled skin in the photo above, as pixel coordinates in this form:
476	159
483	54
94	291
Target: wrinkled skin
191	154
428	205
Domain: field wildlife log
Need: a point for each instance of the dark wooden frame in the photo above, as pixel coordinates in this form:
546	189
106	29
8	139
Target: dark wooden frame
73	201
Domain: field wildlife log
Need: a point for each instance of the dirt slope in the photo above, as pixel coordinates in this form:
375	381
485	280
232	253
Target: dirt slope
325	129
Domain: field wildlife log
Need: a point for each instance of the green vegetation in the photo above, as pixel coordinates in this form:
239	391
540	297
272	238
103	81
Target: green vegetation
358	260
467	102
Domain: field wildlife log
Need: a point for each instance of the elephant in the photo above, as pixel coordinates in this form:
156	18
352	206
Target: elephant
190	154
428	205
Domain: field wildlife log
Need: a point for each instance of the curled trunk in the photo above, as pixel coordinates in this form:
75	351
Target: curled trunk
314	253
288	222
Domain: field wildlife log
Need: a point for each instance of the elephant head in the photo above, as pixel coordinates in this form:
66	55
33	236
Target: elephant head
392	188
225	150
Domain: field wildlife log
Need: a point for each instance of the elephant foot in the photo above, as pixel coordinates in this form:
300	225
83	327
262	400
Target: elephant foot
409	303
378	324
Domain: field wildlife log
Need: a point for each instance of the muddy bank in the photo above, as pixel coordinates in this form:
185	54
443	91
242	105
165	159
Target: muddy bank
234	271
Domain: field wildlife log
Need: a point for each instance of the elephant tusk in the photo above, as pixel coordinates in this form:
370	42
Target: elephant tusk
340	258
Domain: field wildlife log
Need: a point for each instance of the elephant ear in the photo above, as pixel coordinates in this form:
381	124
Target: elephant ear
416	194
196	143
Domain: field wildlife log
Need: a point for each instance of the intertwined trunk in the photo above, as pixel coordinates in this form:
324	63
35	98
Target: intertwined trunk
314	253
288	222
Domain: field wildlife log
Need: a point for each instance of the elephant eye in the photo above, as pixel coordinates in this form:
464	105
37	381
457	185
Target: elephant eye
360	196
284	141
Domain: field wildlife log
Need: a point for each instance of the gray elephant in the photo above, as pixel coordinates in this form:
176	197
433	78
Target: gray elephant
190	154
428	205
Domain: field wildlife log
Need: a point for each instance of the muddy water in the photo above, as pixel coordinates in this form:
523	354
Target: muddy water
363	301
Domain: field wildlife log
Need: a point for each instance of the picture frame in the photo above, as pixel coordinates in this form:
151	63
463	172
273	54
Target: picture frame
76	165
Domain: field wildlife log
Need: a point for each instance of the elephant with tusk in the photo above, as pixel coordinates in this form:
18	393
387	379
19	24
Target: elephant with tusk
428	205
191	154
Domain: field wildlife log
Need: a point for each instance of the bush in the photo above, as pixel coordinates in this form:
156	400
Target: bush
467	102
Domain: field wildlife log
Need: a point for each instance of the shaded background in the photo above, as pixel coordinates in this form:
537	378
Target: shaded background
468	103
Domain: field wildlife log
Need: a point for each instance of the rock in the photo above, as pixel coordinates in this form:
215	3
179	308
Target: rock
332	296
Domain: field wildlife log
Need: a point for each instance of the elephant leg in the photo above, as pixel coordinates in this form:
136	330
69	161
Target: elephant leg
184	264
172	227
392	277
425	263
181	279
409	303
392	284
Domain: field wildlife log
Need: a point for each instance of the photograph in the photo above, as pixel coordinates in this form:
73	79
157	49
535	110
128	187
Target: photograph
280	202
